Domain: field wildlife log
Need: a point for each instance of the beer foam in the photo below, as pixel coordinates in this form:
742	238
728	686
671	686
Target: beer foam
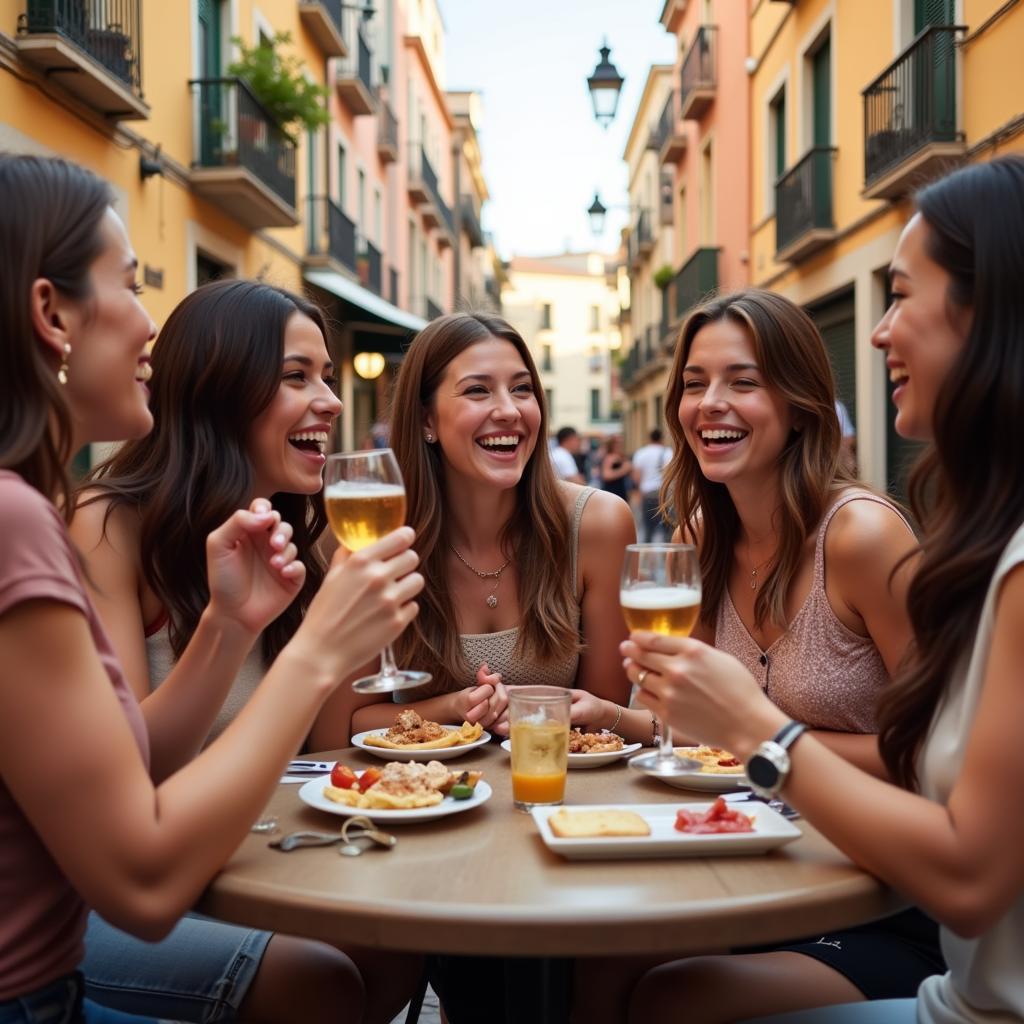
659	598
347	490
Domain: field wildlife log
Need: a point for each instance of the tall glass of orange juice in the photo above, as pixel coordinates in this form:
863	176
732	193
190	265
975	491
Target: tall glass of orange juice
539	731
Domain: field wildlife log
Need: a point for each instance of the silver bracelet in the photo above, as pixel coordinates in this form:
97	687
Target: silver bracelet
618	716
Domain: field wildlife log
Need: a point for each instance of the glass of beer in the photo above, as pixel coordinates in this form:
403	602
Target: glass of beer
660	593
539	731
365	498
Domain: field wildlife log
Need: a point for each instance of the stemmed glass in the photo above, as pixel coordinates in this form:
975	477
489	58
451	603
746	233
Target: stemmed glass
365	498
660	593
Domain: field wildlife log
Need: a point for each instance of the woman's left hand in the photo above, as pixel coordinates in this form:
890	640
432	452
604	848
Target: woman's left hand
252	568
701	691
587	710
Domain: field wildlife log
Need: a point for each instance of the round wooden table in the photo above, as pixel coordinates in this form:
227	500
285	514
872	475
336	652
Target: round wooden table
482	882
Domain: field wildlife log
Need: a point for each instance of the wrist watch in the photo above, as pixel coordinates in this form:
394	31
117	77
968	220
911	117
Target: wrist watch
768	767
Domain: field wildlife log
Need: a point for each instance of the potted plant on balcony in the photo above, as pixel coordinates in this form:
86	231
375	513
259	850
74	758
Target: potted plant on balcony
278	83
663	276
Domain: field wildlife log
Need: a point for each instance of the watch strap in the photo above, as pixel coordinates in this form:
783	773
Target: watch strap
789	734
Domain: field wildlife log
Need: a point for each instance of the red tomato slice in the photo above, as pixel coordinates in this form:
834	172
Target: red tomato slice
342	777
368	778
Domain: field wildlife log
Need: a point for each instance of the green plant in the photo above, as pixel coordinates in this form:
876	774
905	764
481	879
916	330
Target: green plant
663	276
278	83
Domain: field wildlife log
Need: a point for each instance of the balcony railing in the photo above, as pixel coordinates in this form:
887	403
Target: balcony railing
332	234
910	115
426	193
387	132
353	78
98	44
322	19
671	140
244	161
803	206
369	266
697	78
641	239
471	222
695	280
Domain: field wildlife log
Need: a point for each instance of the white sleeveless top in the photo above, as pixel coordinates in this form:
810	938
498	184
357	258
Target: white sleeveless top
985	980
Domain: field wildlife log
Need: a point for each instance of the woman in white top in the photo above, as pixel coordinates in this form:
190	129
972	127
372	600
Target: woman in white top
950	724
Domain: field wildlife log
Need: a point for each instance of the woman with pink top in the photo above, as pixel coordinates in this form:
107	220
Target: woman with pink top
803	582
82	822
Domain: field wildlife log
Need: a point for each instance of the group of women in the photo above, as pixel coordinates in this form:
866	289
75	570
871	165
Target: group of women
172	633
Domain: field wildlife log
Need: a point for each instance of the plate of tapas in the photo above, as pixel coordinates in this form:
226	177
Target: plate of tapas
592	749
412	738
719	771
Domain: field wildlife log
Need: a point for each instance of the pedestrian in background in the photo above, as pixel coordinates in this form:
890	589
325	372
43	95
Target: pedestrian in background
615	468
563	455
649	464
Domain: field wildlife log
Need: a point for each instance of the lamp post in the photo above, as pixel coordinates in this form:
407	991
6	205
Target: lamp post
605	84
369	365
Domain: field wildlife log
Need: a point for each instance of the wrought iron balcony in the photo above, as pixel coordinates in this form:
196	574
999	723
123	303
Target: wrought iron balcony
671	140
697	80
471	222
425	193
322	20
803	207
694	281
910	116
387	132
332	235
368	265
94	49
640	241
353	74
245	163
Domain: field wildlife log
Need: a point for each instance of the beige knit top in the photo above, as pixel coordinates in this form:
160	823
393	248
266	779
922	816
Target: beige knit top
819	671
499	649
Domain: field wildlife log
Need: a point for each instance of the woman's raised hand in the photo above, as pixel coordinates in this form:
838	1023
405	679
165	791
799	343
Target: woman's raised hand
486	702
365	602
700	691
252	570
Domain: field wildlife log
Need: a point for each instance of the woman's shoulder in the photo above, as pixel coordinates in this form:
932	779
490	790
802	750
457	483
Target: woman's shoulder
22	506
100	521
865	527
606	517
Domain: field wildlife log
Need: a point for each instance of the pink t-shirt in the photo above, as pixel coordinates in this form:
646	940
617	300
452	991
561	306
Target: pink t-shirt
42	918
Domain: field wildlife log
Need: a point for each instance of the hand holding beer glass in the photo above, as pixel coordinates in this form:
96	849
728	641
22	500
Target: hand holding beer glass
660	593
365	498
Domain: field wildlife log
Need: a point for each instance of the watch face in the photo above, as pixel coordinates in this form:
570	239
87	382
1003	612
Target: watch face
761	772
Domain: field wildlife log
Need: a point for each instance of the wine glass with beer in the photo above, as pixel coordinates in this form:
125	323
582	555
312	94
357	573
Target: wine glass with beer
365	498
660	593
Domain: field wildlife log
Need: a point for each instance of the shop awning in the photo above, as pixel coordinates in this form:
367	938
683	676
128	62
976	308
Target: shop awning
371	307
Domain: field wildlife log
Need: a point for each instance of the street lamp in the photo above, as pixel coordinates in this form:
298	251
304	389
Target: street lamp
369	365
596	212
605	84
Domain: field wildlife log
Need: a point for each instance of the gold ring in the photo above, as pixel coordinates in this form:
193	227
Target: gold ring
641	676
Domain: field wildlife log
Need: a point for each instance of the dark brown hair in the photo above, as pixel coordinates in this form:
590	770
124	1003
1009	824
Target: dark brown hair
216	367
969	504
538	532
793	360
50	217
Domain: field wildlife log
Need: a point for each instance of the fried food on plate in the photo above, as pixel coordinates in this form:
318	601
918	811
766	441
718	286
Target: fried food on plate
594	742
585	824
404	787
411	732
713	760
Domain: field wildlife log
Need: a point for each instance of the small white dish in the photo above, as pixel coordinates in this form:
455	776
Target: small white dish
703	782
392	754
771	830
590	760
312	793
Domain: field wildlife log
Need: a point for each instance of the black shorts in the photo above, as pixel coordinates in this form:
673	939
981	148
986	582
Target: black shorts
887	959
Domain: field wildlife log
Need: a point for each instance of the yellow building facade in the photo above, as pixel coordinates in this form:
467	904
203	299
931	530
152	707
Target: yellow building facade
855	104
209	185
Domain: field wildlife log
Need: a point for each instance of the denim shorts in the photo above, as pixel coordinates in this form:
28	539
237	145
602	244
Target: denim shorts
61	1002
199	974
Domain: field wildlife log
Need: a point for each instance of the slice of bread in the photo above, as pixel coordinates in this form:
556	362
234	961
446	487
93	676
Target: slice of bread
584	824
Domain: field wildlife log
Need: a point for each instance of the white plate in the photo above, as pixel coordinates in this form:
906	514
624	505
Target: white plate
590	760
443	754
770	831
704	782
312	793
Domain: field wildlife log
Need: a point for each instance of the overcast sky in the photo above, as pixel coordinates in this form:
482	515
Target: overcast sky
544	154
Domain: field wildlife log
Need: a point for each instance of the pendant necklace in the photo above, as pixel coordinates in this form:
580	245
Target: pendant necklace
492	597
754	571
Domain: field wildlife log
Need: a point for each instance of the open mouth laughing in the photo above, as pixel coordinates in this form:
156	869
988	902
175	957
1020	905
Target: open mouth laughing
721	437
311	442
500	444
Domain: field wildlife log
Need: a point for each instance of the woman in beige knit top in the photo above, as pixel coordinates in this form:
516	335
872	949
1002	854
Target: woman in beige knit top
522	569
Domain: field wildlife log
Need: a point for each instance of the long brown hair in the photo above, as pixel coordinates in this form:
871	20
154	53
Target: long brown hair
794	362
216	367
538	532
50	218
968	488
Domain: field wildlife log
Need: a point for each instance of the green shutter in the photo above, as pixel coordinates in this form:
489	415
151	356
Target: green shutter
780	135
822	78
932	12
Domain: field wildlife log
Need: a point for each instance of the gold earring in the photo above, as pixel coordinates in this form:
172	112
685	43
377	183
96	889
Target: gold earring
62	370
